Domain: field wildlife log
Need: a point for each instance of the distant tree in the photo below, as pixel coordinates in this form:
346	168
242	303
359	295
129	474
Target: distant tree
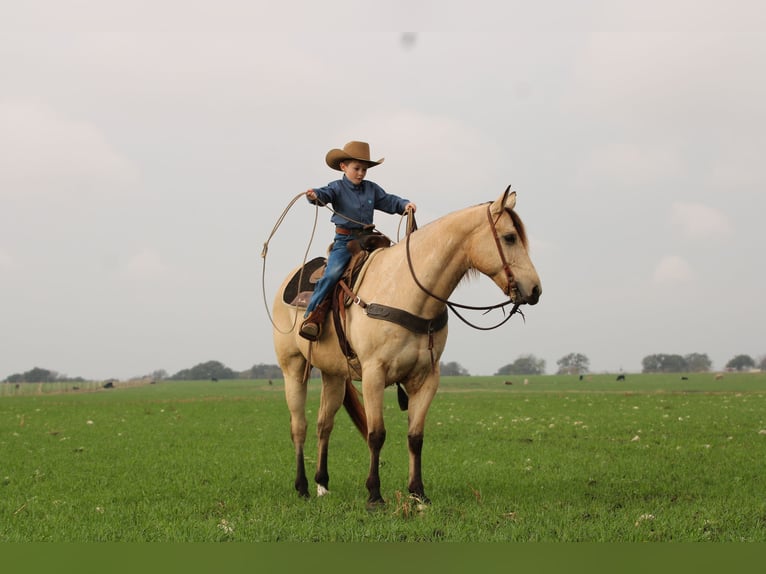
35	375
159	374
452	369
573	364
38	375
524	365
261	371
741	362
698	362
205	371
762	363
663	363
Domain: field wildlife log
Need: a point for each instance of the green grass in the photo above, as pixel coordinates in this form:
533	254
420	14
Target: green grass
653	458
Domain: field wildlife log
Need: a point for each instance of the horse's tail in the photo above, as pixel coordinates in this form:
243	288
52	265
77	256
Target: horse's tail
355	408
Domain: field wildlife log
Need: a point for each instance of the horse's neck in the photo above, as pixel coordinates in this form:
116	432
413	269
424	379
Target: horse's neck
439	261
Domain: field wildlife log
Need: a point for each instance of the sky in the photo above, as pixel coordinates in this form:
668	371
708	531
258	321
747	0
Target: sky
148	148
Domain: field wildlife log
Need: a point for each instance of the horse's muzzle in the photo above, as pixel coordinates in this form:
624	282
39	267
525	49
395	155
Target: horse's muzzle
532	299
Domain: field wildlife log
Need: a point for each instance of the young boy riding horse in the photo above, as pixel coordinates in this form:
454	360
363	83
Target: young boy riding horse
354	201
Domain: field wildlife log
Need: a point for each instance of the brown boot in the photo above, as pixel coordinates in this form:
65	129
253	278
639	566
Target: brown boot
311	328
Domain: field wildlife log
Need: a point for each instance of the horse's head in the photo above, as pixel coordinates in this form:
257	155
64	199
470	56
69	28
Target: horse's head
500	251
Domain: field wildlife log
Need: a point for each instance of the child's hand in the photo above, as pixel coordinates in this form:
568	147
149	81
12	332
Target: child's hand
311	195
410	207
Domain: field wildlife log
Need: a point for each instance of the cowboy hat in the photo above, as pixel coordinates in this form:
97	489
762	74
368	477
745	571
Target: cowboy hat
359	151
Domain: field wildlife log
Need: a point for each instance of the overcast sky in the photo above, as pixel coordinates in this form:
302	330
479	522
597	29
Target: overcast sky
148	147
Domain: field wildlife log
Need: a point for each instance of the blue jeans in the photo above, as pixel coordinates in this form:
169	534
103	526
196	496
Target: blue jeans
337	261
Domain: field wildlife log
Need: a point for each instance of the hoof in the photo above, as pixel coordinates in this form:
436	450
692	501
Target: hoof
375	504
420	499
321	490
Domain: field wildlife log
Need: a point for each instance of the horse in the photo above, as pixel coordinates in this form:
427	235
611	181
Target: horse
416	276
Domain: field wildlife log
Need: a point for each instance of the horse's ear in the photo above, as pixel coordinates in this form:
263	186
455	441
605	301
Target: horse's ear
510	201
505	201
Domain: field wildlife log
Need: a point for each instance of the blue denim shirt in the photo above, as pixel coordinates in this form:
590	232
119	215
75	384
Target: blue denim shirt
357	202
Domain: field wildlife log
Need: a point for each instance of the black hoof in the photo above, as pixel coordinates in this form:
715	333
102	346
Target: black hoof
420	498
375	504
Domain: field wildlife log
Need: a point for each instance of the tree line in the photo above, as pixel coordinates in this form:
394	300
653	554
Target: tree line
209	370
578	364
200	372
571	364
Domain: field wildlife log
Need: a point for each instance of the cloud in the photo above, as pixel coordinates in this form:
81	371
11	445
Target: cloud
698	221
632	163
672	269
144	265
43	151
737	168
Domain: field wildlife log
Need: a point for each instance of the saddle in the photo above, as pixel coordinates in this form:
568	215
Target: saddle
299	289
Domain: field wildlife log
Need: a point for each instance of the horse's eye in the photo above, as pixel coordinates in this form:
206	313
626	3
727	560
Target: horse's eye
509	238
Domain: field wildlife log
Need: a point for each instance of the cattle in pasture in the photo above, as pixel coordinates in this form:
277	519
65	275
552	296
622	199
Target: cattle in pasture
620	378
718	376
684	378
508	382
109	385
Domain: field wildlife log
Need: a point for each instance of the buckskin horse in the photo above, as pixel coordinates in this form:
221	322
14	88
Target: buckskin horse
411	279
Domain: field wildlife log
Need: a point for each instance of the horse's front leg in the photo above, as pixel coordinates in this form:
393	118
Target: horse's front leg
418	407
333	389
295	394
372	390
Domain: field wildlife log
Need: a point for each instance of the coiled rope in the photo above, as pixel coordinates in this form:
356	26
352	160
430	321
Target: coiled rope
265	252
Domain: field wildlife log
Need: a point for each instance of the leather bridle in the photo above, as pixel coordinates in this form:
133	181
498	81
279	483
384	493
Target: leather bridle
511	280
510	287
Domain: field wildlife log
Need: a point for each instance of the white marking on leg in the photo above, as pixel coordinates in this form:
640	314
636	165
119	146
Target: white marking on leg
321	490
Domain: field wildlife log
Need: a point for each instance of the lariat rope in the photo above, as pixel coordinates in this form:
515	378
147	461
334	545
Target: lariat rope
265	251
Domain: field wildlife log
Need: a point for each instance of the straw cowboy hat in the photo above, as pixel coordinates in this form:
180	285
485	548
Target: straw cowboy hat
359	151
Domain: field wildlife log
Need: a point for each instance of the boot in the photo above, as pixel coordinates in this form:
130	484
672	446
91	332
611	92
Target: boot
311	328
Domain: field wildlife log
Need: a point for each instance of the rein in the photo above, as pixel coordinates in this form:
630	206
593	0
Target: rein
454	306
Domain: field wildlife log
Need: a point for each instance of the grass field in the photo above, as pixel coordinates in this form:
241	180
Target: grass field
654	458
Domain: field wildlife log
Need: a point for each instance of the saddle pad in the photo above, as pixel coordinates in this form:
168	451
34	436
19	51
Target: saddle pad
293	288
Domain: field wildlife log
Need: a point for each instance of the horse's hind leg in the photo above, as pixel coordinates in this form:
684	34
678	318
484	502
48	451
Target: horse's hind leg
333	389
295	393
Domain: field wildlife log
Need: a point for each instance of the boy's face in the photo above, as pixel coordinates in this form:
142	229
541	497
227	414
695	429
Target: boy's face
355	170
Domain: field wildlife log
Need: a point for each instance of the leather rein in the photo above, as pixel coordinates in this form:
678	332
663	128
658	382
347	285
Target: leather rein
454	306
